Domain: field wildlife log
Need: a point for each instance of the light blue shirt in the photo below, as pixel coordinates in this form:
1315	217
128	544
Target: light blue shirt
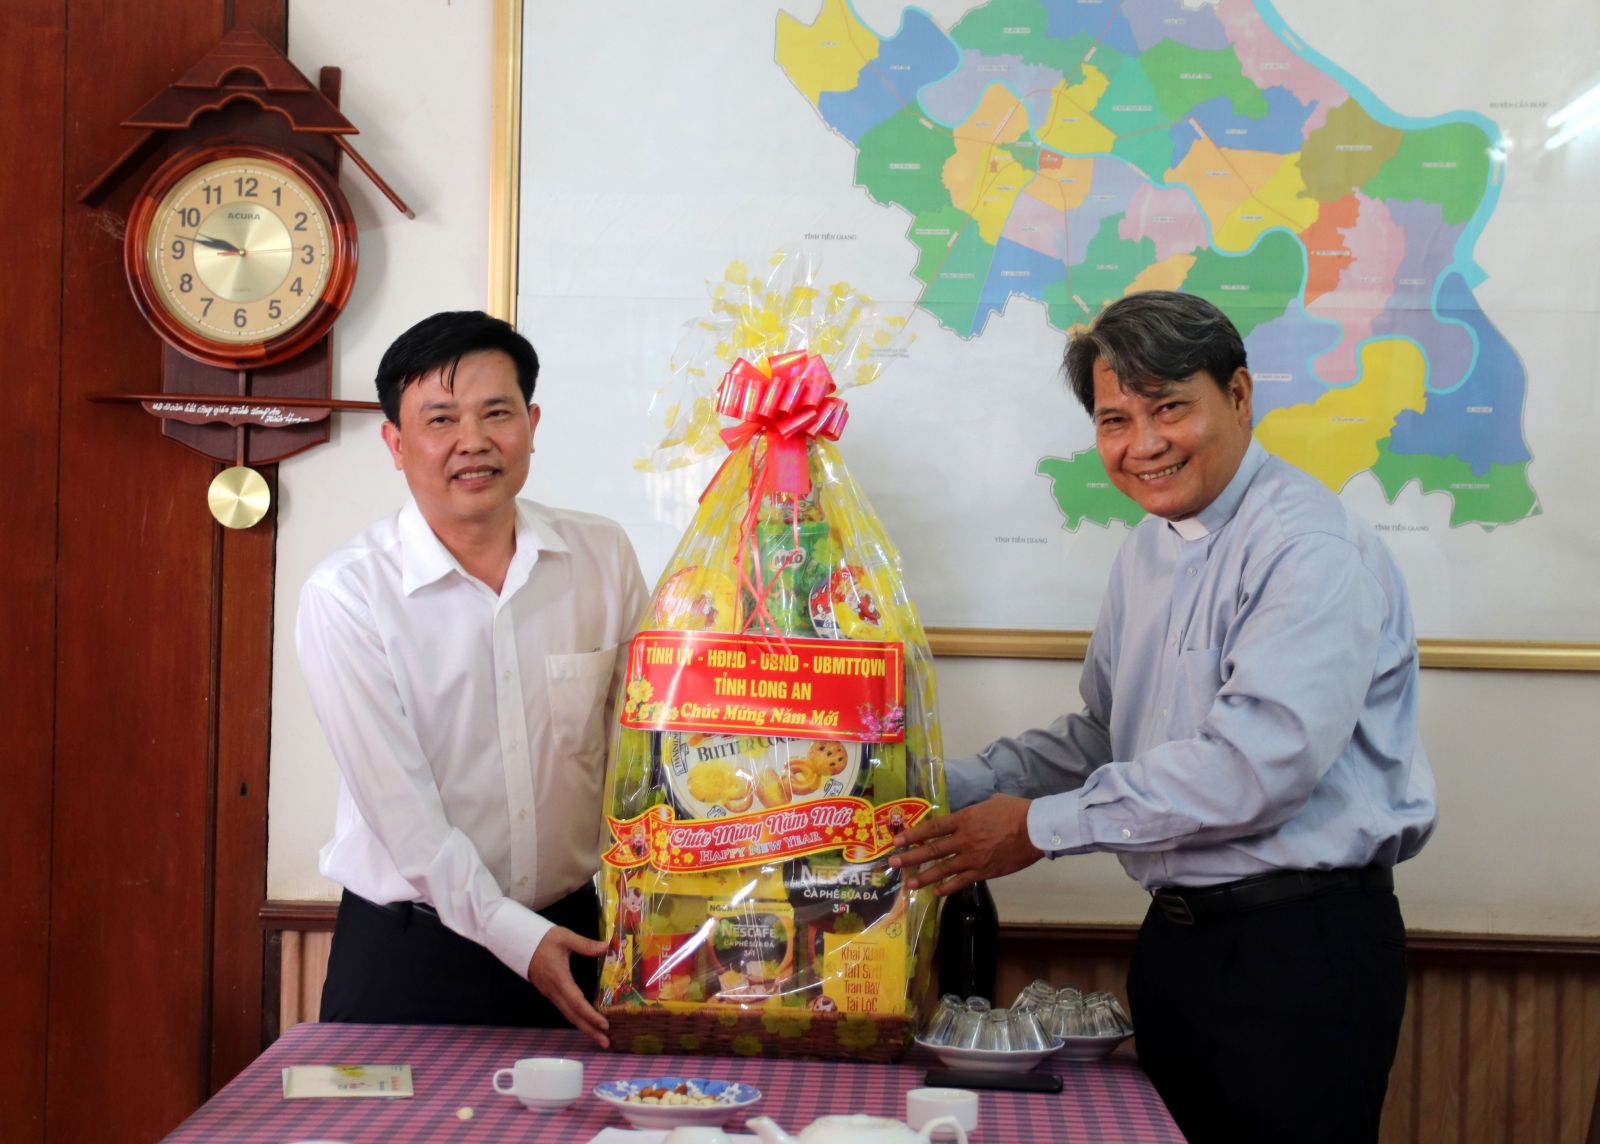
1250	700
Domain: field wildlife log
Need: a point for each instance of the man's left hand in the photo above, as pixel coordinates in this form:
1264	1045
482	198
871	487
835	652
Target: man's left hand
986	840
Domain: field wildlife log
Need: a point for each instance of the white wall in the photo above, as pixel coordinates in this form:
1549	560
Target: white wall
1515	753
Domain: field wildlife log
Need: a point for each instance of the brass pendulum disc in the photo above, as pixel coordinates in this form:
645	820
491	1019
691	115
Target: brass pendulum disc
239	497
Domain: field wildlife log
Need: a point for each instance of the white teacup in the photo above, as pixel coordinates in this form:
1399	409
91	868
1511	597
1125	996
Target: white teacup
925	1105
541	1082
697	1134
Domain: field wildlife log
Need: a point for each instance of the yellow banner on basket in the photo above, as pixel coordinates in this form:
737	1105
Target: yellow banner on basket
864	972
853	826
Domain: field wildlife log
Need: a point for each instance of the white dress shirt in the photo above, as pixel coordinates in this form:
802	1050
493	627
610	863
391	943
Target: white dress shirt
470	729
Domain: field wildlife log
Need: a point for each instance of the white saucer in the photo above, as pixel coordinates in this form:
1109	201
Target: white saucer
1090	1048
989	1060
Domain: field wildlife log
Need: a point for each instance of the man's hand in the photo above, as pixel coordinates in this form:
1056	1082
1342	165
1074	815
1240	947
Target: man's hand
550	973
986	840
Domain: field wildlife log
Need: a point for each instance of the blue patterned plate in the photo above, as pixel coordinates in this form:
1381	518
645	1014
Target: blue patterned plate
728	1097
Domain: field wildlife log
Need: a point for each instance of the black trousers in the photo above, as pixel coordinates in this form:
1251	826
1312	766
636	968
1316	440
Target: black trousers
400	965
1278	1024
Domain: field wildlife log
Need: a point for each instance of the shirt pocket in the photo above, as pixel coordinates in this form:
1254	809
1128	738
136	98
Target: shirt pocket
1201	671
578	683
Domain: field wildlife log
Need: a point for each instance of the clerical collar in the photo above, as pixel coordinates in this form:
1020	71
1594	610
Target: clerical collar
1220	511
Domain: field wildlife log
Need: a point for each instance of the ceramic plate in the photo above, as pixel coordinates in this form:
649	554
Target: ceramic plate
731	1097
1090	1048
989	1060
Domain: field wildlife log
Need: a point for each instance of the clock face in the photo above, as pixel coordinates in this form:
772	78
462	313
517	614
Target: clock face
244	257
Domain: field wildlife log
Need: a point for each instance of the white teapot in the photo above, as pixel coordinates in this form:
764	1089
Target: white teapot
856	1129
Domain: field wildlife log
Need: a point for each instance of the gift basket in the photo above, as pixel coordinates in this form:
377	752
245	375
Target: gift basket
778	723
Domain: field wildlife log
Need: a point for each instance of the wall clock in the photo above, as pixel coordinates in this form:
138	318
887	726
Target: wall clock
240	255
240	252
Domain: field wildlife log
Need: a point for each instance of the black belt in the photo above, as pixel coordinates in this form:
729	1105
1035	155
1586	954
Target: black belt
402	909
1188	905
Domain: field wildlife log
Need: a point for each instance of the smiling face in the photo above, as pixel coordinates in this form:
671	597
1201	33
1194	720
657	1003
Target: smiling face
464	450
1174	453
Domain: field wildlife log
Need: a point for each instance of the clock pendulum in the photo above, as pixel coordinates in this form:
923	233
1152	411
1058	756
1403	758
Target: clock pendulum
238	497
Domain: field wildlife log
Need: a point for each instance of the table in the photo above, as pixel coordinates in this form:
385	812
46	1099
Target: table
1109	1100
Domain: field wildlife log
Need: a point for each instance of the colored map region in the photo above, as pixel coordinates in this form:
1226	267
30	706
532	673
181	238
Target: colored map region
1073	151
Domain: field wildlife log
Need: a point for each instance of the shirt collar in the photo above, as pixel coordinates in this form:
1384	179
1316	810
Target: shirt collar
424	559
1220	511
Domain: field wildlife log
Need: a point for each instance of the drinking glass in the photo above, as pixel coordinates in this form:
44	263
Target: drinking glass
995	1032
1037	995
1114	1006
942	1025
1102	1021
1072	1019
969	1024
1026	1031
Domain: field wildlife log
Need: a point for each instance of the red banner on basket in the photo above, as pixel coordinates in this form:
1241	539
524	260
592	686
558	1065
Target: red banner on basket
738	684
853	826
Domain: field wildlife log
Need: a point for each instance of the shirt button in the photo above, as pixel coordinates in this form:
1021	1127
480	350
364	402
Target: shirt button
1055	840
1173	641
507	677
1189	571
522	813
1126	833
522	881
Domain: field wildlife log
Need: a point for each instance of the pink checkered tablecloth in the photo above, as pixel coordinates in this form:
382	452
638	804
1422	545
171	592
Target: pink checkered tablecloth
1109	1100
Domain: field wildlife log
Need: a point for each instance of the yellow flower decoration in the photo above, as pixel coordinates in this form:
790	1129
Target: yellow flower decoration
857	1032
781	1025
746	1046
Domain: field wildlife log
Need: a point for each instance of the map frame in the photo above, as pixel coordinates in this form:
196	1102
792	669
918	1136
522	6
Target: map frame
505	253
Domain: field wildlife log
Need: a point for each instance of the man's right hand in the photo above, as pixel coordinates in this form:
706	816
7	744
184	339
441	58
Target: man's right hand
551	974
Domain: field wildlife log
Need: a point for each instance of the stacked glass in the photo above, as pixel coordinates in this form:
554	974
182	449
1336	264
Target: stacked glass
1067	1013
975	1024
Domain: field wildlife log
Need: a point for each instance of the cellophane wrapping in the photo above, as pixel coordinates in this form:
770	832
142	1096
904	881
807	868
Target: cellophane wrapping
778	728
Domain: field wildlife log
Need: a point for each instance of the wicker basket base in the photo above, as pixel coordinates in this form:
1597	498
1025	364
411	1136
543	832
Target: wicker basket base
731	1031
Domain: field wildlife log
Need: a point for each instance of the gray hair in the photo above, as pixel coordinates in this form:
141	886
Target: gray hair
1153	340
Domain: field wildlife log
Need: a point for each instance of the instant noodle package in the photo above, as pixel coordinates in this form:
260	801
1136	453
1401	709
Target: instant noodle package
777	730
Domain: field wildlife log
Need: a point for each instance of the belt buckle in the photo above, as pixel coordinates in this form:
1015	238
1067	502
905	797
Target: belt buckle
1176	907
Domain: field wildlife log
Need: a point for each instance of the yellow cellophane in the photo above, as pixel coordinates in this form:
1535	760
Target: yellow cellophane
810	956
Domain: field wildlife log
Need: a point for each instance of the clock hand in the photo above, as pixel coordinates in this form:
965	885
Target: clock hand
221	244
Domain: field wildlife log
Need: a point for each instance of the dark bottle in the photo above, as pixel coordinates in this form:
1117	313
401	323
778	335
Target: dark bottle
969	942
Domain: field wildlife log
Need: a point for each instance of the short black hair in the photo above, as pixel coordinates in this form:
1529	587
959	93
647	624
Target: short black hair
1152	340
440	342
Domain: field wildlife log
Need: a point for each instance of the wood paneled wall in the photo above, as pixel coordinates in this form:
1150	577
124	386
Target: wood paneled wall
136	631
1500	1045
303	966
33	36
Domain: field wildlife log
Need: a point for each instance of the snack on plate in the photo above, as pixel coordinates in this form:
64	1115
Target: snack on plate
777	730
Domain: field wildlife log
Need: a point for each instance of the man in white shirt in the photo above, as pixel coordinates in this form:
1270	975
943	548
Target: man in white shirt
462	656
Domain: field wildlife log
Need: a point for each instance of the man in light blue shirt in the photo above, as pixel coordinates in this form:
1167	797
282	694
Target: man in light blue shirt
1248	748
